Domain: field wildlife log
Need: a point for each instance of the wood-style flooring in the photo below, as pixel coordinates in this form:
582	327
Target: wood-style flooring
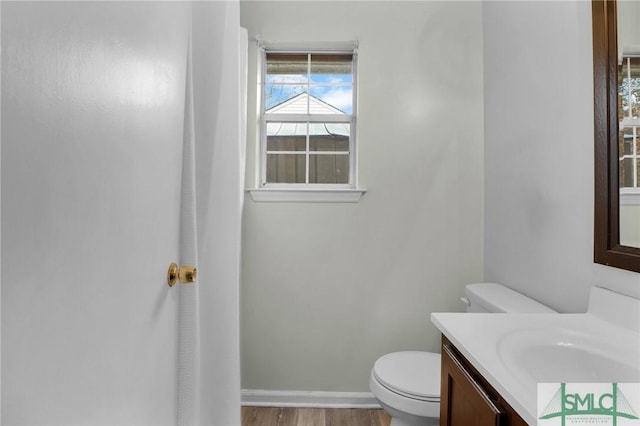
266	416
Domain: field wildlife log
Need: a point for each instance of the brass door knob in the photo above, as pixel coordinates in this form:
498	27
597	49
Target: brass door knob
186	274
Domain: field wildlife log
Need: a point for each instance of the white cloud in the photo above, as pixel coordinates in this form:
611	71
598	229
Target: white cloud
339	98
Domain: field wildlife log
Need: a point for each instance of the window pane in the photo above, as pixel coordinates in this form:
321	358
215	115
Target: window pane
286	136
628	113
338	97
626	173
625	141
329	137
331	68
629	88
286	68
286	77
286	143
327	168
629	152
289	99
286	168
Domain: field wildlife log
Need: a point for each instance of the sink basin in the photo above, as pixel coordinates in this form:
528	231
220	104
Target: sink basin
570	356
515	352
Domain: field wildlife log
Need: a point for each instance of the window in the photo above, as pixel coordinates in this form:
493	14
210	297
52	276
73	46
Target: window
307	124
629	116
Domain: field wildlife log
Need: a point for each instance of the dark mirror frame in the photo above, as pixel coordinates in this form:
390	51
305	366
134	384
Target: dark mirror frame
607	248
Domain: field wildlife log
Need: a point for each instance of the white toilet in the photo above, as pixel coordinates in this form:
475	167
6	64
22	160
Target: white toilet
407	384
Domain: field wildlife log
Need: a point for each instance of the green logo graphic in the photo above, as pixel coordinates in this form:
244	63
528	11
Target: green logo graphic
613	405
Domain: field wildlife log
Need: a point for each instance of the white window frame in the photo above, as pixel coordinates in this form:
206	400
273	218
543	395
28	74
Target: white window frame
306	192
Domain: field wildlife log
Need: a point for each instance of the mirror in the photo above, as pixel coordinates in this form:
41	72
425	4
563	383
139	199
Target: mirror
617	151
628	31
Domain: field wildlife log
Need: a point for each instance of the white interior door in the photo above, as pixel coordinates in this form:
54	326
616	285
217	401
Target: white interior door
92	115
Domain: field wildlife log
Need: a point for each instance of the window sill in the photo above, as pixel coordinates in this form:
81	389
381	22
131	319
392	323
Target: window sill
294	195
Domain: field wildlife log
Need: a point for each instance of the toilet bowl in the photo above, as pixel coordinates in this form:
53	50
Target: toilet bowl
407	384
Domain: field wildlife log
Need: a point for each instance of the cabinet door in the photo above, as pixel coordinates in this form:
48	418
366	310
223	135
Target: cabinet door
463	400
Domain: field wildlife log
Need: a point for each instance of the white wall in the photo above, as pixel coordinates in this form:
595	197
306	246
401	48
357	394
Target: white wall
628	28
327	288
538	106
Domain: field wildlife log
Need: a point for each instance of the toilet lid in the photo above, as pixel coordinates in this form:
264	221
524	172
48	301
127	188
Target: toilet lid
413	374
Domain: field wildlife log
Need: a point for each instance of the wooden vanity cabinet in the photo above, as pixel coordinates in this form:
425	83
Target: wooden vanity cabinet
466	399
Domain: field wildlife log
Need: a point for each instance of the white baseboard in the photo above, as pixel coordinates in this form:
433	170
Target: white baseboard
309	399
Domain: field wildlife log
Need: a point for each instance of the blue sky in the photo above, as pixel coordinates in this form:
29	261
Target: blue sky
334	89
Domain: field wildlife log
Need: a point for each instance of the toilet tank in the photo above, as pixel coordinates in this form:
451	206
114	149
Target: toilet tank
492	297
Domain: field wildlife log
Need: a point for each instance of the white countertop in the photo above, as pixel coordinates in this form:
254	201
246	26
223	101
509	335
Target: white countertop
497	344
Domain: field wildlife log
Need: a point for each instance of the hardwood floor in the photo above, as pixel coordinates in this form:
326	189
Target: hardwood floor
266	416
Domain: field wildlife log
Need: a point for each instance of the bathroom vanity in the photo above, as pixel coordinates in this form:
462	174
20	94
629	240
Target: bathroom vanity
467	399
492	363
